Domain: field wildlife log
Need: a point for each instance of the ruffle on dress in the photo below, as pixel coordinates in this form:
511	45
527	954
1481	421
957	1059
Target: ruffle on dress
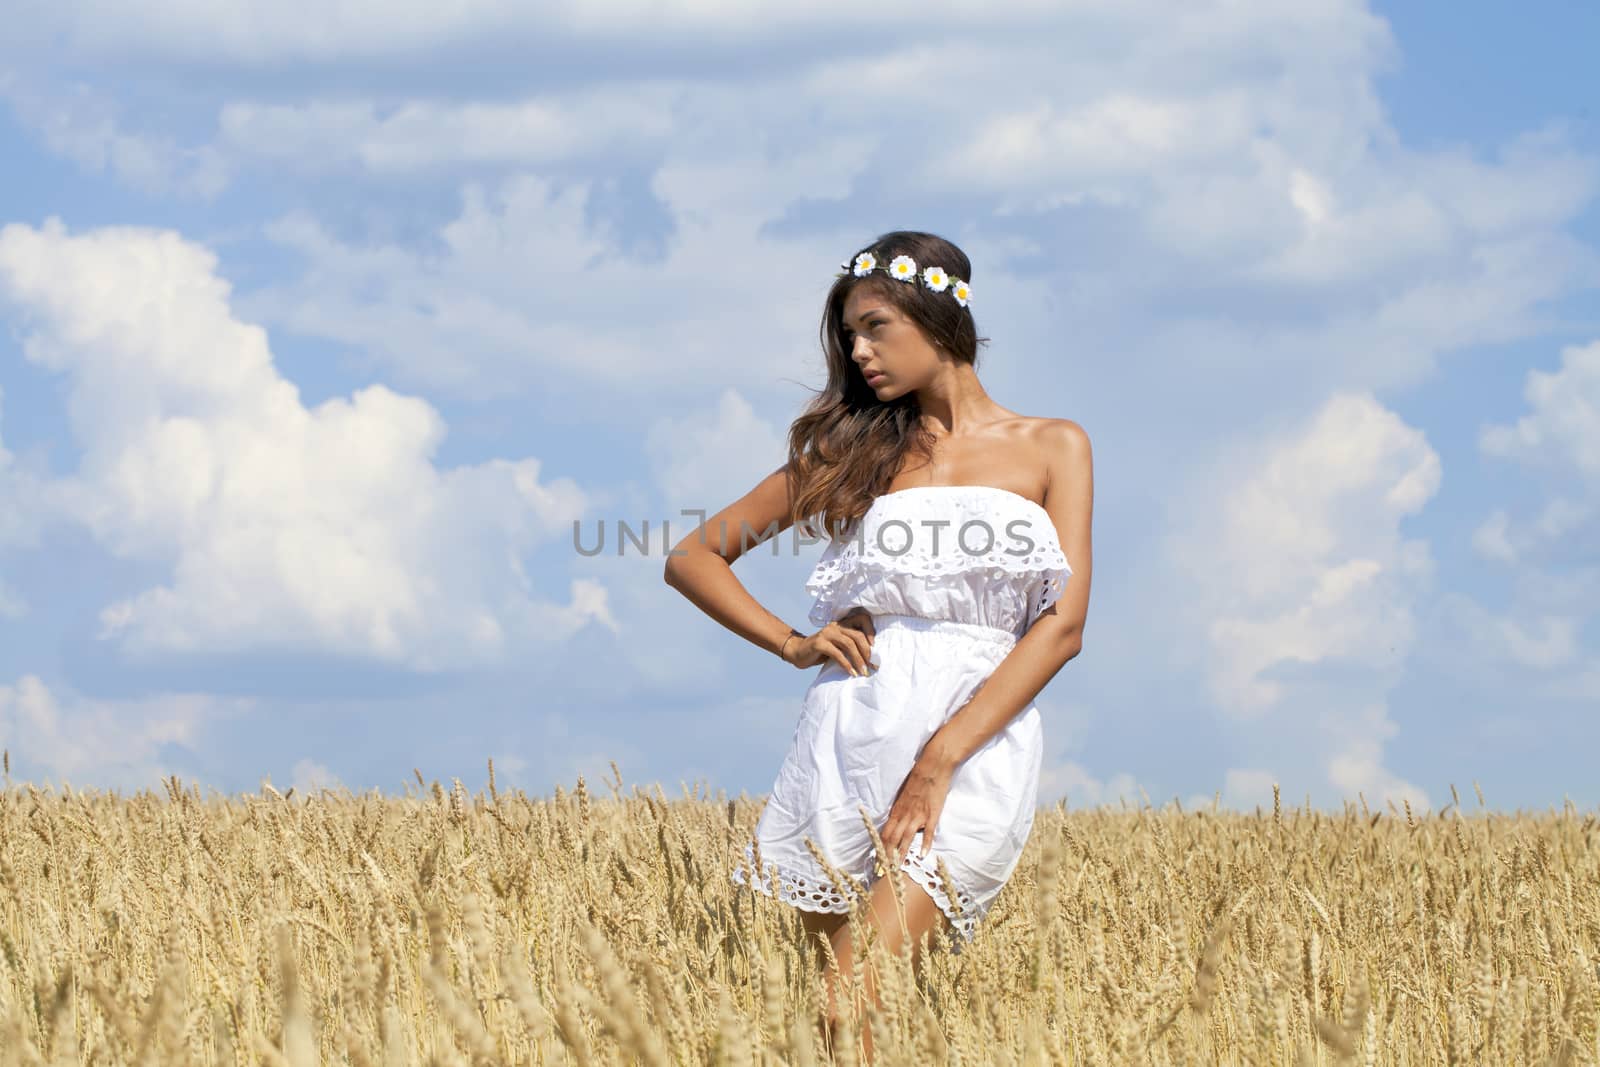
978	538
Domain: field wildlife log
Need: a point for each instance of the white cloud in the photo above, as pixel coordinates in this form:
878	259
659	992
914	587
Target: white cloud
510	772
325	528
15	521
1550	551
1547	643
526	290
1560	520
1301	587
236	31
420	135
23	517
1073	782
708	459
111	743
1244	788
1527	634
1562	429
1320	252
309	777
1355	770
1302	559
1355	761
1490	539
79	122
1063	774
1250	235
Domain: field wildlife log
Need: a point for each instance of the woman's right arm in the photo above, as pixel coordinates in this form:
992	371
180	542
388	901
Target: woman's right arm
700	567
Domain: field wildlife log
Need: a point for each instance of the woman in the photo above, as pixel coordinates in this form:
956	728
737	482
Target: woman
942	601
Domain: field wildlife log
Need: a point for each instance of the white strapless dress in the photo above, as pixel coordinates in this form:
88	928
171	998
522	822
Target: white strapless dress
953	575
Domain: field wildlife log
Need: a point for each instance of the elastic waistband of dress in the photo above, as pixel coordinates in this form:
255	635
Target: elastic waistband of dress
921	623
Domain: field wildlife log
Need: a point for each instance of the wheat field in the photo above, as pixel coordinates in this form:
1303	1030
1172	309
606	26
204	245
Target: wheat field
442	927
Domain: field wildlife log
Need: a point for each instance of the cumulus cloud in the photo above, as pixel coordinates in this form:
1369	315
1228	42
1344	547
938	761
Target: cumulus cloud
1546	545
126	744
708	459
12	514
308	777
1304	560
1199	215
1243	789
1064	773
525	289
286	527
1171	190
425	135
20	490
235	31
1074	783
1221	160
24	515
1301	588
1550	545
84	124
1562	427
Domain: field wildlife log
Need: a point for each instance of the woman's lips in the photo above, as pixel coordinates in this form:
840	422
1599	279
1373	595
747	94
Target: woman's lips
874	379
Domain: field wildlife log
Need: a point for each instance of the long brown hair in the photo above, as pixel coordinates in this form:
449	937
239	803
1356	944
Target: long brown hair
847	446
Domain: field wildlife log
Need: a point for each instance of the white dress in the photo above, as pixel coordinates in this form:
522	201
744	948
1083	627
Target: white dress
952	575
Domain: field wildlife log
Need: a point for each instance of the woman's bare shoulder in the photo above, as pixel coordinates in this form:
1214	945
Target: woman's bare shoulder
1045	423
1052	434
1046	448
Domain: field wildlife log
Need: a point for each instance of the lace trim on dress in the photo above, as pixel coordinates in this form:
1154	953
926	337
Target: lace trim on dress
793	888
814	895
859	555
924	870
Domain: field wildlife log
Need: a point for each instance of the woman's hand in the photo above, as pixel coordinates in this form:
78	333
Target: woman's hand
917	806
847	641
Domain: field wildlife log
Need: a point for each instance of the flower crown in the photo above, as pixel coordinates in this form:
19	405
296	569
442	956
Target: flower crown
904	268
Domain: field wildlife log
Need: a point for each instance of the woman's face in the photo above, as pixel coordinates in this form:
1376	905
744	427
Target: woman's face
889	350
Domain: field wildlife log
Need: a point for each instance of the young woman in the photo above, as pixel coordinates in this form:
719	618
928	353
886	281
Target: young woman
942	603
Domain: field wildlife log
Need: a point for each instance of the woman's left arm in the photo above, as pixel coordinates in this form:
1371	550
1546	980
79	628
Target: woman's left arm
1057	634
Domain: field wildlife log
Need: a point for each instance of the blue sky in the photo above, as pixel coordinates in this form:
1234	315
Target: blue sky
322	326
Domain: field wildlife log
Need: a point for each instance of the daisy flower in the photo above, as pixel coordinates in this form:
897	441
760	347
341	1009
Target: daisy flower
865	263
963	292
936	279
903	268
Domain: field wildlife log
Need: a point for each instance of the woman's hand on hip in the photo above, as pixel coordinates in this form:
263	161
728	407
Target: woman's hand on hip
846	641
